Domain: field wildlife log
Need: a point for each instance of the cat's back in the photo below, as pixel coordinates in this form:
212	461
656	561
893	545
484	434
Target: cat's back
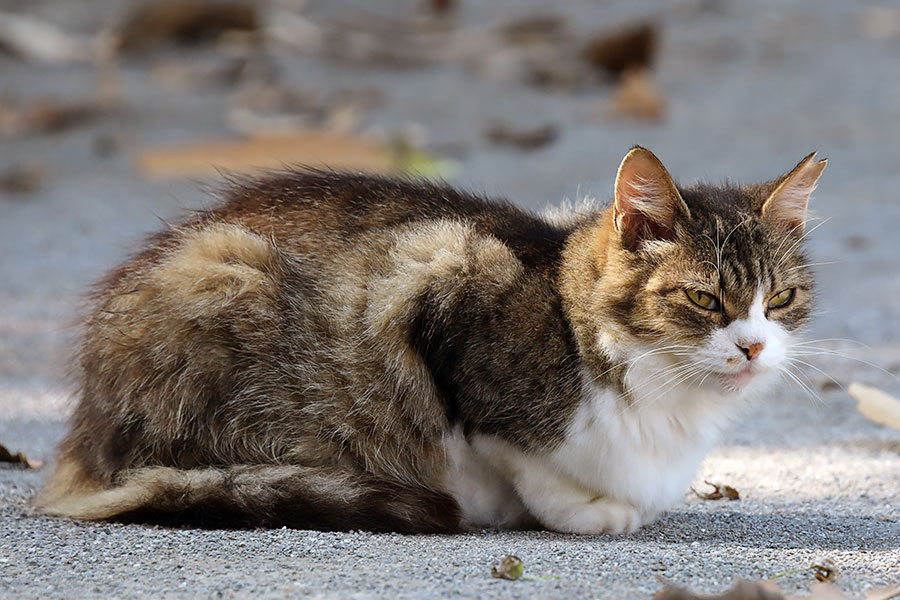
314	212
308	232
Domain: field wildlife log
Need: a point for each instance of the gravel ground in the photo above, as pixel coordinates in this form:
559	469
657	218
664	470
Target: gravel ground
750	90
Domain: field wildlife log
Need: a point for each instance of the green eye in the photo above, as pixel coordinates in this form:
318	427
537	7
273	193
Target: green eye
703	300
782	298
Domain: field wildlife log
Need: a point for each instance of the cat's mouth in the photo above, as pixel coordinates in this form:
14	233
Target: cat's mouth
738	380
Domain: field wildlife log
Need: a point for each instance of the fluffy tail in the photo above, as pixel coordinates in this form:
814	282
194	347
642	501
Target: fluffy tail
251	496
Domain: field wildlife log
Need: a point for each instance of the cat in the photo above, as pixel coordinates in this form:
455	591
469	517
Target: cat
332	351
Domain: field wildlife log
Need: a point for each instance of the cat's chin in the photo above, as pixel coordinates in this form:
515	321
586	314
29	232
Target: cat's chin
748	380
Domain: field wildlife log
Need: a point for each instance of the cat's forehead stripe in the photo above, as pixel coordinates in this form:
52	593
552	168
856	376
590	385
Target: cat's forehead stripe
744	265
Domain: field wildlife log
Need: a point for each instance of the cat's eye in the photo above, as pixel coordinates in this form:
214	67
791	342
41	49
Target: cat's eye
782	298
703	300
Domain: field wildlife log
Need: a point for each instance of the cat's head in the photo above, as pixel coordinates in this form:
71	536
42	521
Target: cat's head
715	275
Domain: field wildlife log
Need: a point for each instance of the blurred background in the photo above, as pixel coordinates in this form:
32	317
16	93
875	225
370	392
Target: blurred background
114	117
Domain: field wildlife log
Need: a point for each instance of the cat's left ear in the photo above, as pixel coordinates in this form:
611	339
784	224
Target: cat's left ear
785	207
647	203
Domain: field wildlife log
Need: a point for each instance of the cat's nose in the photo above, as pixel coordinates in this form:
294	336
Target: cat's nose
751	351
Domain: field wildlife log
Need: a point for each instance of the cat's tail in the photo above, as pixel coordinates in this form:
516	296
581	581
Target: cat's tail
251	496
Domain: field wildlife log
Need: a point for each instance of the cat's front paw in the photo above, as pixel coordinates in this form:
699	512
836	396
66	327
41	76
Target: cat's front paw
598	516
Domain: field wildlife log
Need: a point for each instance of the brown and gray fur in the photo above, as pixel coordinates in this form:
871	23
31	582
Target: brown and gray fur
298	354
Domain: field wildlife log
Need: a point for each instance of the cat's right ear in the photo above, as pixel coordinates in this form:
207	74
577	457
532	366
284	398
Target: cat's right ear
647	203
785	206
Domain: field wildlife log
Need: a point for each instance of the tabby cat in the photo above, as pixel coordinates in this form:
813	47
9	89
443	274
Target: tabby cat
332	351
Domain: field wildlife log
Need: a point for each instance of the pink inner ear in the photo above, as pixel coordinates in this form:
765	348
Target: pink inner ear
639	226
786	216
645	197
786	207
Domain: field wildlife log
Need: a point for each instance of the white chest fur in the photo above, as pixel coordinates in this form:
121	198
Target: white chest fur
640	456
644	452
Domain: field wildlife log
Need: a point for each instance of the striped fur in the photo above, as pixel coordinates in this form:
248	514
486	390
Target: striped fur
335	351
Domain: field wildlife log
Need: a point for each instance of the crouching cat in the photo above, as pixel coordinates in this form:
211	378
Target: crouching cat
334	351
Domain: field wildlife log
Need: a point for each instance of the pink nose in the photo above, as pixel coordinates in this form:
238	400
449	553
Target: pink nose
751	351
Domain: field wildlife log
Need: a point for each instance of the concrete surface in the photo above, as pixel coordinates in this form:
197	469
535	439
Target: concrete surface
751	89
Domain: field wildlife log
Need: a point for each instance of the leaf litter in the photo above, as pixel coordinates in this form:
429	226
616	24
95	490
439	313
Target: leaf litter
510	567
768	590
532	137
18	458
719	492
876	405
513	569
21	179
637	96
630	47
824	570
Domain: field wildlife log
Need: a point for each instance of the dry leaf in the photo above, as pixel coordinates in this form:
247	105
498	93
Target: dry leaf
825	570
315	149
719	491
828	385
760	590
18	458
769	590
885	593
442	6
524	138
534	29
637	96
510	567
41	42
309	148
44	116
630	48
877	406
21	179
184	21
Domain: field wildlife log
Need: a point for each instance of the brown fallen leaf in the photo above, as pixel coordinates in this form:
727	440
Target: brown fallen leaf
184	22
768	590
533	29
21	179
510	567
876	405
309	148
719	491
524	138
44	116
442	6
637	96
825	570
18	458
629	48
555	70
829	385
